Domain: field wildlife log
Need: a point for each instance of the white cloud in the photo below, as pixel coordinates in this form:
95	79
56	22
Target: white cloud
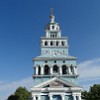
8	88
89	72
89	69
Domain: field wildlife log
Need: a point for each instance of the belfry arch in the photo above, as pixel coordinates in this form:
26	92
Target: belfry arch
39	70
55	69
64	69
46	70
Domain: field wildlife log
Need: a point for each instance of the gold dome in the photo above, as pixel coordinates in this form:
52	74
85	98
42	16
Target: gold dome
51	16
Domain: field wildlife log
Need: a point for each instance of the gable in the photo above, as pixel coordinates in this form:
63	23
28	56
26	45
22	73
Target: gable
55	82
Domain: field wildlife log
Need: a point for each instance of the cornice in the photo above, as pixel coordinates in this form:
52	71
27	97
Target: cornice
57	38
51	76
39	58
64	89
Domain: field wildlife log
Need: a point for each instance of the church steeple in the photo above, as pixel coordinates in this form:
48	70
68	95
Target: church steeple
55	67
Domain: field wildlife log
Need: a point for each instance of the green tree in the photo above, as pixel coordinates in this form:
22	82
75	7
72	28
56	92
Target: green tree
13	97
21	93
93	93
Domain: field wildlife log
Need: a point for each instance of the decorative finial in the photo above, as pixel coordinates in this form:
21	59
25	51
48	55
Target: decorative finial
52	17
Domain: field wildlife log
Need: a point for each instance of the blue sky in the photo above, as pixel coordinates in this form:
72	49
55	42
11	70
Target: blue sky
21	26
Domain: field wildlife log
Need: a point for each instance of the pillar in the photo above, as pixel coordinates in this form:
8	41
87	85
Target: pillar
63	97
69	70
74	97
74	69
39	98
50	97
54	43
60	70
48	43
51	72
79	97
60	43
34	97
42	70
36	70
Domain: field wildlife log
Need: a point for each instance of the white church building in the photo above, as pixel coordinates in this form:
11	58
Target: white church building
55	70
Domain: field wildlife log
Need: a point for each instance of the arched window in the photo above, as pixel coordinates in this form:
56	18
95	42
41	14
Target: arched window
39	70
55	69
57	43
53	27
63	43
64	69
51	43
46	70
46	43
63	61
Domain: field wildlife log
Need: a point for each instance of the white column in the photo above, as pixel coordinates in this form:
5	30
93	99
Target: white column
50	27
39	97
42	70
63	97
69	70
60	69
48	43
51	72
34	97
60	43
74	69
74	97
79	97
54	43
36	70
50	97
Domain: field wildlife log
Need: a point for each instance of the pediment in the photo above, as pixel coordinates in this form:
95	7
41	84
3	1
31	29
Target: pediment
55	82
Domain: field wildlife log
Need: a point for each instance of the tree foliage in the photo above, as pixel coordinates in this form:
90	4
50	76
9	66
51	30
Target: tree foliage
93	93
13	97
21	93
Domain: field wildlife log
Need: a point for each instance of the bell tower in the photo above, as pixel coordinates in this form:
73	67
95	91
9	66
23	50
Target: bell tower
55	67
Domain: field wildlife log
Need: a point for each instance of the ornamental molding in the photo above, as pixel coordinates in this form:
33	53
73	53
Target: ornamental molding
67	75
39	58
66	46
53	38
68	89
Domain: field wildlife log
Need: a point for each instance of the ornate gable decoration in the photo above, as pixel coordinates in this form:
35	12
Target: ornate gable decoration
55	82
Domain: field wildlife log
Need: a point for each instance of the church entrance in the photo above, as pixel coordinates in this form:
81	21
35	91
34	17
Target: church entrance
56	97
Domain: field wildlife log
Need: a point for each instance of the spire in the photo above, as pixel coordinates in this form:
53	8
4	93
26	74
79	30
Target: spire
52	17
